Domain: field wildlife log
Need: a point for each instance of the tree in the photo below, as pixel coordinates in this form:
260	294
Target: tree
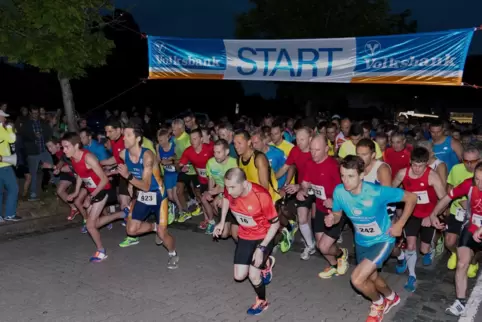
294	19
60	36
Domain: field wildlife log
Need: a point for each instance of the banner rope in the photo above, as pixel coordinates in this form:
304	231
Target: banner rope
471	85
142	81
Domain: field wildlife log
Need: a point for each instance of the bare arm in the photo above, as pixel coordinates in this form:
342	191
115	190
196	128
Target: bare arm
442	171
92	163
410	200
458	149
435	181
385	175
263	170
397	181
109	161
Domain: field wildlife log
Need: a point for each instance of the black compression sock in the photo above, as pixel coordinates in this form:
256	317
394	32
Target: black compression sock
260	291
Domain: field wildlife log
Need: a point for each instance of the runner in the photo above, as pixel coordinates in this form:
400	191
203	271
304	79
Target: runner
216	168
258	222
141	170
322	176
90	174
420	179
470	241
365	205
376	171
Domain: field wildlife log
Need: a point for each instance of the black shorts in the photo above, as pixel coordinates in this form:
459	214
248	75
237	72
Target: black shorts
64	176
21	170
187	179
243	255
123	187
413	228
307	203
111	197
319	225
204	187
229	217
467	240
453	225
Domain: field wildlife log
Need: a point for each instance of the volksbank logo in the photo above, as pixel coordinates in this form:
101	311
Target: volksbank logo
373	48
165	56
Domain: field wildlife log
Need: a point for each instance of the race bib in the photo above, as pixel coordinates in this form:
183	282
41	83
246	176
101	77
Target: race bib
319	191
89	183
202	173
243	220
169	168
147	198
460	214
477	220
422	197
370	230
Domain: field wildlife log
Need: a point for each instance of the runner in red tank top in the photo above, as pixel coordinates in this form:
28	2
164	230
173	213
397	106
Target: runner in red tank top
397	156
470	241
92	177
420	179
253	208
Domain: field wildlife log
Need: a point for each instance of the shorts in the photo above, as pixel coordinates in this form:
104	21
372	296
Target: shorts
319	225
170	180
307	203
453	225
467	240
243	255
111	197
64	176
147	203
187	179
377	253
203	187
229	217
123	187
413	228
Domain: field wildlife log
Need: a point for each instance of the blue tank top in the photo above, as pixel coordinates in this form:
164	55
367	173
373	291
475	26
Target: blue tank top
163	155
445	153
138	168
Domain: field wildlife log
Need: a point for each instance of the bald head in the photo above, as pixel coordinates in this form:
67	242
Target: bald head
319	148
235	175
345	126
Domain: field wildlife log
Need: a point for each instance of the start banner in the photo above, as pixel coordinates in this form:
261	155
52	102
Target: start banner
435	58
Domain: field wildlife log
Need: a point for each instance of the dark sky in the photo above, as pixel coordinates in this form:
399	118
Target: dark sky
215	18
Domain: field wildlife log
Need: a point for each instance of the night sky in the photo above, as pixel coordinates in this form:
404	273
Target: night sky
215	18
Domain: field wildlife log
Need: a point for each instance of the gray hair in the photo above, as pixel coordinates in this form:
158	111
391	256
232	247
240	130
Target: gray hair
179	122
425	144
475	147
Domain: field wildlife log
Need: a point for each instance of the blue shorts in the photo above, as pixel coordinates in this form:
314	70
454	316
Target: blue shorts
377	253
170	180
147	203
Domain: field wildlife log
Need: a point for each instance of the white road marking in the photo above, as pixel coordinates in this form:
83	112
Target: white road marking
473	303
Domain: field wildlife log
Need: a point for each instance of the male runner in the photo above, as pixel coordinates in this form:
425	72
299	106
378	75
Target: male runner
141	170
420	179
376	171
365	205
216	168
470	241
322	176
258	222
92	177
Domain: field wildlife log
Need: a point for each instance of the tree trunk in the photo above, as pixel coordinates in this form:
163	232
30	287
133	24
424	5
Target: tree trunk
68	99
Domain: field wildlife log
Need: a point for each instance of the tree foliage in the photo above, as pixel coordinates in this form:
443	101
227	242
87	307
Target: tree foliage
64	36
287	19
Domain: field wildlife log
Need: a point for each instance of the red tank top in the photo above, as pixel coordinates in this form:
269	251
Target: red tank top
427	198
88	176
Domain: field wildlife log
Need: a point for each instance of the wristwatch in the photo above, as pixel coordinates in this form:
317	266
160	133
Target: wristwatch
262	248
130	177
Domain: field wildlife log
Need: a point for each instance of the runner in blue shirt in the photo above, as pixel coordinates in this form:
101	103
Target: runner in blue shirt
93	146
365	204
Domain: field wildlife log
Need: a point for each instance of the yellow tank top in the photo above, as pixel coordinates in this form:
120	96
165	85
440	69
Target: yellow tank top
251	172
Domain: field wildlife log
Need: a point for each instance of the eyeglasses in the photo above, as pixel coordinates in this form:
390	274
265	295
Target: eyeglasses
471	162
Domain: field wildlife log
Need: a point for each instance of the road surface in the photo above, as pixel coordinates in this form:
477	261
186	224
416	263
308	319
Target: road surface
48	278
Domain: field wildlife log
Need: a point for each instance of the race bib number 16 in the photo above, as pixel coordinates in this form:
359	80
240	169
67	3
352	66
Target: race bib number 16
243	220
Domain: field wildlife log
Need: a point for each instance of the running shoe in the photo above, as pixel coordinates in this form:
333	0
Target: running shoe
440	248
472	271
184	216
203	224
258	307
329	272
456	309
285	243
307	252
401	266
389	304
342	262
173	261
452	262
98	257
376	312
411	284
73	213
129	241
427	259
210	227
267	273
